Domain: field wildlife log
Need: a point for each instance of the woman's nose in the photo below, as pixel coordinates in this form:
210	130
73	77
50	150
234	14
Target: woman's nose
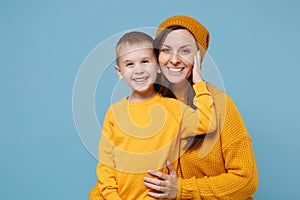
174	58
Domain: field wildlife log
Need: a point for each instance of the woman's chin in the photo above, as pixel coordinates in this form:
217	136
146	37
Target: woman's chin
176	79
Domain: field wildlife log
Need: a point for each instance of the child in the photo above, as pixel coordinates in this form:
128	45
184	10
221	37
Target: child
143	131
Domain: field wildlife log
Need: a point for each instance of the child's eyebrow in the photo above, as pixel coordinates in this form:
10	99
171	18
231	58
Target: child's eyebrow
127	61
146	57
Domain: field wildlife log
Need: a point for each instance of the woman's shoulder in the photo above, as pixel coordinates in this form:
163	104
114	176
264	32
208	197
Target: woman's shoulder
214	90
222	100
217	94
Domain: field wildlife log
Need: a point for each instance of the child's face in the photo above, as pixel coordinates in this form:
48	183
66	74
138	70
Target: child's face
139	68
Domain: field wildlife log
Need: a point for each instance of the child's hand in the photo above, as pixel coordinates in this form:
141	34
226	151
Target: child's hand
197	74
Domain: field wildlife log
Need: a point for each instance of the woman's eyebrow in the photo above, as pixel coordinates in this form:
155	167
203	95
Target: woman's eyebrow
165	45
184	46
188	45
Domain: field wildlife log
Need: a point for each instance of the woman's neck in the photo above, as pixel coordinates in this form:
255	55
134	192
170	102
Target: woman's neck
180	90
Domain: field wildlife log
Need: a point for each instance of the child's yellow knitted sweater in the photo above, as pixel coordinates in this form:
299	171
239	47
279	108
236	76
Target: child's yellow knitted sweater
138	136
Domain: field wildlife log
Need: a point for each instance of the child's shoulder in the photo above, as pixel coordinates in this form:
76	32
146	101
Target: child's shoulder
119	103
171	102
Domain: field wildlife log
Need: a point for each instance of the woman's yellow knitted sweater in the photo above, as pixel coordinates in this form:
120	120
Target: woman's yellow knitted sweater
224	167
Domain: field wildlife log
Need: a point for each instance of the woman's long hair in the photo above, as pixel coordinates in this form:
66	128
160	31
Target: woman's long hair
164	87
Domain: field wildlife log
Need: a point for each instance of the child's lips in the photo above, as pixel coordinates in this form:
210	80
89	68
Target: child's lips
140	79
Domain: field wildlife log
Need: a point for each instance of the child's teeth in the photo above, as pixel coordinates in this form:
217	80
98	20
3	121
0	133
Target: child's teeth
140	79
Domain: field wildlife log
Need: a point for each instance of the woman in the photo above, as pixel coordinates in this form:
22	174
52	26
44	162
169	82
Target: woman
220	165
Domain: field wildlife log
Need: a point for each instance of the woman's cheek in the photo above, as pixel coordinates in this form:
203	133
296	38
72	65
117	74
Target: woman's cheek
162	59
189	72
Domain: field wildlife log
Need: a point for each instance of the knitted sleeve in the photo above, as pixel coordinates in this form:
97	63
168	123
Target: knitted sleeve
94	194
202	120
241	178
105	168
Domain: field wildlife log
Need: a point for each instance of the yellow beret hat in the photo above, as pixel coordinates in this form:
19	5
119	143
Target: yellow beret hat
200	33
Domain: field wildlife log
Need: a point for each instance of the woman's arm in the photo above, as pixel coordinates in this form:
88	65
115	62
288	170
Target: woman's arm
167	184
240	179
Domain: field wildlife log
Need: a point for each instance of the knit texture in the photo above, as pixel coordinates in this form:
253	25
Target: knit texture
200	33
128	149
224	167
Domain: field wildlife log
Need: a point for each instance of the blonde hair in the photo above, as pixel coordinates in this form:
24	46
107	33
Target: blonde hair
134	40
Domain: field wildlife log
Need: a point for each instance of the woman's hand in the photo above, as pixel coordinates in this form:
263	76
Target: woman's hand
164	187
197	74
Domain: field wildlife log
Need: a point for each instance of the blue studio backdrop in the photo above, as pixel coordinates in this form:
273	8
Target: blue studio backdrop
43	44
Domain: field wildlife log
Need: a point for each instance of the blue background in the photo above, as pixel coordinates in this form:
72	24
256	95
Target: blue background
43	43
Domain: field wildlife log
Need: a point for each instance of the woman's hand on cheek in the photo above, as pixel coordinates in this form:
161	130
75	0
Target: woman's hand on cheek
165	186
197	74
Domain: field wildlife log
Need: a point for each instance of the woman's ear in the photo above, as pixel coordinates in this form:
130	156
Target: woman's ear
118	70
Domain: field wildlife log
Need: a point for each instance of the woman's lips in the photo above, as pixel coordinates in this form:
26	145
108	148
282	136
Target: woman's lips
175	69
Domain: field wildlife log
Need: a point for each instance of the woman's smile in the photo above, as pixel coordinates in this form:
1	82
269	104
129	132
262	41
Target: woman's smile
176	69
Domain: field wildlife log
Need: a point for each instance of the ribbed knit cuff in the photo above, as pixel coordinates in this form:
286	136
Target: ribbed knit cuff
201	88
178	197
185	188
95	194
113	196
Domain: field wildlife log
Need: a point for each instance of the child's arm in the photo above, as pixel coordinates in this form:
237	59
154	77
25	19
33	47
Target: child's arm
202	120
106	168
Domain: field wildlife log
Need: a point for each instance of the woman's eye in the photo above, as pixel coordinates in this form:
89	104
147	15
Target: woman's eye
166	50
184	51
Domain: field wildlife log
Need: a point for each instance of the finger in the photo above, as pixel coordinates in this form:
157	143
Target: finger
157	195
171	169
154	181
199	57
158	174
195	62
154	187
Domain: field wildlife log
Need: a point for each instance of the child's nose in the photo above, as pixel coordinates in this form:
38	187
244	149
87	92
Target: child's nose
139	70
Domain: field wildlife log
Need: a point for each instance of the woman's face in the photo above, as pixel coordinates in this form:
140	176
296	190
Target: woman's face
176	56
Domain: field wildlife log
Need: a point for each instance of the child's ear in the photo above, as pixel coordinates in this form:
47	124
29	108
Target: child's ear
118	70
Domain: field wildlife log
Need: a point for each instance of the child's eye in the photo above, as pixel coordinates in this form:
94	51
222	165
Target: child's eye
145	61
129	65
